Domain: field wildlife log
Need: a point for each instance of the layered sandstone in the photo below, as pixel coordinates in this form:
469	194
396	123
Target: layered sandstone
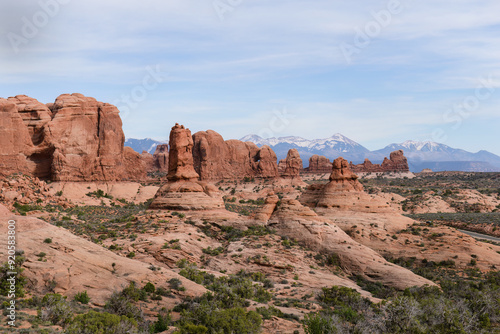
15	141
342	193
319	164
160	158
397	162
76	138
297	222
293	164
184	191
216	159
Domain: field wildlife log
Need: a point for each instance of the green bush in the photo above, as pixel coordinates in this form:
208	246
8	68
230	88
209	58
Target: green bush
20	279
102	323
55	309
82	297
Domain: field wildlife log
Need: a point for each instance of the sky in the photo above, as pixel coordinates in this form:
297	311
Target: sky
379	72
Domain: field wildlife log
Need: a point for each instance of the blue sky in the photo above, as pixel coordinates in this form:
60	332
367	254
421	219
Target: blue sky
423	71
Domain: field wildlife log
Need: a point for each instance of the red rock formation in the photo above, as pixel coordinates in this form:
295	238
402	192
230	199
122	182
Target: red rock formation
180	162
293	164
342	178
184	191
161	158
15	140
396	163
88	139
216	159
319	164
76	138
342	193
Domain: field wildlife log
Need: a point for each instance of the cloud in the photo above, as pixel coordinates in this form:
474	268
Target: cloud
225	74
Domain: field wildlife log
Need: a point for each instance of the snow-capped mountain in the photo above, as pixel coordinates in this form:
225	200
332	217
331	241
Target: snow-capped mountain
334	146
443	157
420	155
147	144
430	151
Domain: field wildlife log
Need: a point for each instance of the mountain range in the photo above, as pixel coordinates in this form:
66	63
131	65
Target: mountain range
438	157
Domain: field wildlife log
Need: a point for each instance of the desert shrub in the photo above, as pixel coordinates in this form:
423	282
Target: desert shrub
205	319
55	309
162	322
102	323
120	305
315	323
20	279
82	297
149	287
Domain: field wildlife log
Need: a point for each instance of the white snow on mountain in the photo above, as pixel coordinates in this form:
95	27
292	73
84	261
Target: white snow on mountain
337	140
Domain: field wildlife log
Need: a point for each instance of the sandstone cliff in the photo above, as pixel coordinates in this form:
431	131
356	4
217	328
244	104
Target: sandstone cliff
319	164
216	159
397	162
76	138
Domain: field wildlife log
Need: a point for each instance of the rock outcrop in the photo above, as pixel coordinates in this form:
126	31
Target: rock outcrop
76	138
397	162
293	165
161	158
15	141
342	193
184	191
300	223
319	164
216	159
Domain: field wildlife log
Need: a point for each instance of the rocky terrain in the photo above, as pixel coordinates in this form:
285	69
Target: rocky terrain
226	239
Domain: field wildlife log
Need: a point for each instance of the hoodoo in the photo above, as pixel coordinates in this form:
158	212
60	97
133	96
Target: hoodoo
183	190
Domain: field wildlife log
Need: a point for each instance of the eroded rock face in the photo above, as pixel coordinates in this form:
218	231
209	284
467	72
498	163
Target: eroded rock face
300	223
396	163
293	164
342	193
319	164
184	191
216	159
87	138
76	138
180	166
342	178
15	140
160	158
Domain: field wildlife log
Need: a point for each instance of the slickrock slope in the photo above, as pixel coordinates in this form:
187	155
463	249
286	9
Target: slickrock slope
216	159
298	222
75	264
184	191
397	162
319	164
